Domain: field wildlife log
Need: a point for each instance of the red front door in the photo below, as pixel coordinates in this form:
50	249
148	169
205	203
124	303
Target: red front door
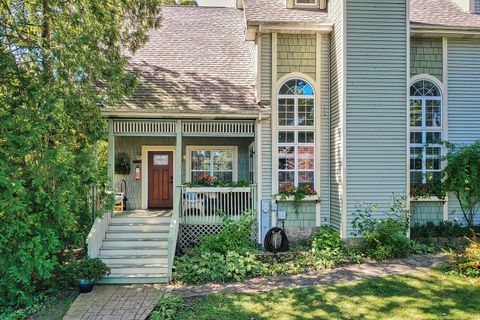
160	179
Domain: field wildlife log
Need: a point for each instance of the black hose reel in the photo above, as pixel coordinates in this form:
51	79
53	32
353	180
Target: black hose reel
276	240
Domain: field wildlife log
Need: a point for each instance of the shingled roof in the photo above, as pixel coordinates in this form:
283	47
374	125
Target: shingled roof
197	62
441	14
274	11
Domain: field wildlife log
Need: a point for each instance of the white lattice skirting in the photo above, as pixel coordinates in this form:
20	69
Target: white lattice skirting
189	234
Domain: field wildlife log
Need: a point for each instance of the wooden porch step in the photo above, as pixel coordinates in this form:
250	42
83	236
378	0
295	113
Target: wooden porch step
132	252
136	235
134	278
141	220
158	270
137	260
165	227
120	243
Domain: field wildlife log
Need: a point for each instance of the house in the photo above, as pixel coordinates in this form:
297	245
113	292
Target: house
350	97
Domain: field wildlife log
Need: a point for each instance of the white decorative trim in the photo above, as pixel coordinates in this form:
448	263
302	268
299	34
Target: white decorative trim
190	148
274	119
258	76
407	117
318	134
428	77
343	119
144	173
445	109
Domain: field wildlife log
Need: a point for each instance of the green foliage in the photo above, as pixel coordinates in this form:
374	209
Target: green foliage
298	194
327	240
59	62
87	269
461	177
167	308
234	236
445	229
467	261
384	238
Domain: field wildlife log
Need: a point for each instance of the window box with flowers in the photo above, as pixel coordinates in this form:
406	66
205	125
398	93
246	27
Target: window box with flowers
426	192
205	183
288	192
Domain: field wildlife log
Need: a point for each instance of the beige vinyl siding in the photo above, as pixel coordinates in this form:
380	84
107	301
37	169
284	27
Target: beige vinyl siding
426	57
266	179
376	103
336	101
266	67
463	101
296	53
325	129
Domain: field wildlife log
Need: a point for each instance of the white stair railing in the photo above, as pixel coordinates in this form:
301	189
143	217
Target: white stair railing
97	234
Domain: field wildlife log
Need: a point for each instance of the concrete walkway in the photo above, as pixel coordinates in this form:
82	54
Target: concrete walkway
116	302
132	302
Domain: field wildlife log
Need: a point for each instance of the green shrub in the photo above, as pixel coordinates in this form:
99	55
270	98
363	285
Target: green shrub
234	236
445	229
215	267
467	262
327	240
87	269
384	238
167	308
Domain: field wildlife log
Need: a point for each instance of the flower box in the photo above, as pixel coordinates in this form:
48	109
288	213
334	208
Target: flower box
429	199
217	189
310	198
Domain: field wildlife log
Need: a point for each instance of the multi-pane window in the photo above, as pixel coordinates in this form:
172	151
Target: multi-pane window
426	133
214	162
296	134
306	2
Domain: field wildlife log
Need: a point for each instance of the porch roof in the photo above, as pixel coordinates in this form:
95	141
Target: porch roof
442	14
197	61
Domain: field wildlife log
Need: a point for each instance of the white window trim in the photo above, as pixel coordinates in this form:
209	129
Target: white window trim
295	128
427	129
297	144
306	4
189	149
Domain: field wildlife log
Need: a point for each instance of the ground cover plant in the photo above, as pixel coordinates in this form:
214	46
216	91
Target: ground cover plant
432	295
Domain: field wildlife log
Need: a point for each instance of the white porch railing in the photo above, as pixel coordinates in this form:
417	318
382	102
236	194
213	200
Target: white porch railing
207	205
97	234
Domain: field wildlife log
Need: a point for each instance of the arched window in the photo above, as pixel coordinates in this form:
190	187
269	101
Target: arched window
296	134
426	133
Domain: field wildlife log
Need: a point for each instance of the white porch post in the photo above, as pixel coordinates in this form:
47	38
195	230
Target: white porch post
258	176
178	171
111	155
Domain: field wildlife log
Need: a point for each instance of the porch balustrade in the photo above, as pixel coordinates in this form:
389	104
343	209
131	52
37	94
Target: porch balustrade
208	205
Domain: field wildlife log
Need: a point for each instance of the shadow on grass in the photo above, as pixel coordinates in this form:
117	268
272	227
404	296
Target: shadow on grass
426	296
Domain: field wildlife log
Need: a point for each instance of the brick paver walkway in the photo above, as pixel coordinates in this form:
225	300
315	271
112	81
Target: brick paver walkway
115	302
137	301
412	265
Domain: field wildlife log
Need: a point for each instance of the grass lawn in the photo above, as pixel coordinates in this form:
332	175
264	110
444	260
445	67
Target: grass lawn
433	295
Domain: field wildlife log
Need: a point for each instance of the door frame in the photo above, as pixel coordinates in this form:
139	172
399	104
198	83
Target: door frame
144	174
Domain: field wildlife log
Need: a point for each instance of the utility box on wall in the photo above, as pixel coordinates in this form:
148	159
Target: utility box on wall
266	219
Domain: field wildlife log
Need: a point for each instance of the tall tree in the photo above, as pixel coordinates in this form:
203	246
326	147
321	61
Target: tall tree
60	61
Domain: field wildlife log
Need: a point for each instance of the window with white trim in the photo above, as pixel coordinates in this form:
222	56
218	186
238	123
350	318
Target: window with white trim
426	133
296	134
219	162
306	2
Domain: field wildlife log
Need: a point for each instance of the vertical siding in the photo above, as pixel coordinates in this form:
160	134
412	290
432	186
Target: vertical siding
325	129
267	168
266	67
426	57
463	101
296	53
336	101
375	103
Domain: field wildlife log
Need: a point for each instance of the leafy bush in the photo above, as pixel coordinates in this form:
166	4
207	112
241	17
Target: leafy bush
327	240
445	229
234	236
467	262
87	269
221	257
384	238
167	308
461	177
216	267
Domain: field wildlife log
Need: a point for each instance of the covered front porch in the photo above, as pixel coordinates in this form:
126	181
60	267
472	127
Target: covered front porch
167	164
